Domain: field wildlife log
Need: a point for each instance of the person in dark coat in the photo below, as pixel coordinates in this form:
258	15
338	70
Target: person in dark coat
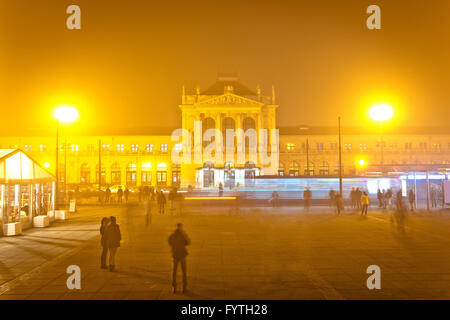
161	199
178	241
412	199
108	195
112	238
119	195
103	226
126	193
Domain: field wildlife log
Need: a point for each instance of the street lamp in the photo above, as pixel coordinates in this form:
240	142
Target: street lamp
64	114
381	113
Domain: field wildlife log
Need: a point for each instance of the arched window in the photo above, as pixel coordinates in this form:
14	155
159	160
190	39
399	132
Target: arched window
324	169
227	124
281	169
161	174
248	123
208	123
131	174
103	173
146	174
176	175
85	173
294	169
116	173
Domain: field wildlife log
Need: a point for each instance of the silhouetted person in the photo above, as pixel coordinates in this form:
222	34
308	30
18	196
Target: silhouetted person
172	197
220	189
103	226
365	200
358	195
353	197
433	197
119	195
161	199
113	237
126	193
275	199
332	196
108	195
148	212
380	198
389	195
178	240
412	199
339	203
307	198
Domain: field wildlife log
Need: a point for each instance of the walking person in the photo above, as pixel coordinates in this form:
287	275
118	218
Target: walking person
178	241
365	200
161	199
119	195
220	189
148	212
358	195
332	196
126	193
412	199
339	203
113	237
307	199
380	198
108	195
433	197
103	225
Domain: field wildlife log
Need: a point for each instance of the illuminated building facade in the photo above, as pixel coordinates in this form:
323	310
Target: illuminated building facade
135	160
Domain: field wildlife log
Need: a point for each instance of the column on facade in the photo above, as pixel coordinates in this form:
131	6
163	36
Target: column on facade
219	141
238	123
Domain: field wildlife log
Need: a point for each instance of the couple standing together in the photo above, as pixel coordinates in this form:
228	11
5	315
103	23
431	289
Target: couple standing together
110	241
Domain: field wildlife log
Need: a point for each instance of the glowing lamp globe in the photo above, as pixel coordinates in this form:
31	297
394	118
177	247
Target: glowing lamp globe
66	114
361	162
381	112
46	165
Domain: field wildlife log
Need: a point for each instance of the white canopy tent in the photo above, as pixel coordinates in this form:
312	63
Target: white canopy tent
27	189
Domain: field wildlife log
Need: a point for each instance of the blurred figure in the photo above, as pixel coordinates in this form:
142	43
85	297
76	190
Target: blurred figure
148	212
126	193
400	212
275	199
358	195
353	197
339	203
112	238
307	195
389	195
365	200
433	197
332	196
172	197
161	199
119	195
108	195
220	189
103	225
412	199
178	241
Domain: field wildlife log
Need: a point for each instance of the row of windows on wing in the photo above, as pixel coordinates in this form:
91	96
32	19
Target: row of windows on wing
107	147
130	173
291	147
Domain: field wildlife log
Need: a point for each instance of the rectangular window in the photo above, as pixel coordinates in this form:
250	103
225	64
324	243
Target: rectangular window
149	148
348	147
134	148
28	147
119	148
105	147
74	148
43	147
178	147
333	146
363	147
164	147
319	146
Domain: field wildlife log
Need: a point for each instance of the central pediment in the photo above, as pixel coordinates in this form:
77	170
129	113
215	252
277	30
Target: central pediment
229	99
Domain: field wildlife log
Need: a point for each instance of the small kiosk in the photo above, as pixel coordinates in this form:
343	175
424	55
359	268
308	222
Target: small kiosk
26	192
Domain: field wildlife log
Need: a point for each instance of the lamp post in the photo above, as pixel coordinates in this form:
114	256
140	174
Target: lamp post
340	156
64	114
381	113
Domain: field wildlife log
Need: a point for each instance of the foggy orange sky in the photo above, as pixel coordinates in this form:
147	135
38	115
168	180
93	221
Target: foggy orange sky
126	65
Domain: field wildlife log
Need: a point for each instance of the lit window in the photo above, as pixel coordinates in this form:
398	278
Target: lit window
28	147
134	148
348	147
178	147
149	147
163	147
61	148
105	147
120	148
74	147
363	146
43	147
290	147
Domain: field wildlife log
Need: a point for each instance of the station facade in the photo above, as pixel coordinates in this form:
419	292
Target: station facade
136	160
